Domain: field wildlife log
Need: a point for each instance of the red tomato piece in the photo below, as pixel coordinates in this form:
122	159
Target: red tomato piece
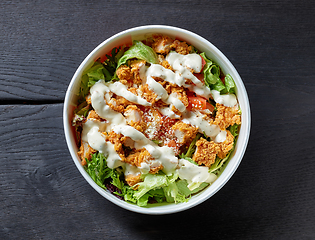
209	106
190	94
200	76
197	103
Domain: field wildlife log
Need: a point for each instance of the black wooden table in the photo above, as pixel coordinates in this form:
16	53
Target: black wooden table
271	44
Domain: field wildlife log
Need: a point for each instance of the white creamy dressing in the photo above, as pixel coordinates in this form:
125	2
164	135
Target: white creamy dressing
194	174
196	119
168	112
98	102
162	155
121	90
228	100
97	142
220	137
131	170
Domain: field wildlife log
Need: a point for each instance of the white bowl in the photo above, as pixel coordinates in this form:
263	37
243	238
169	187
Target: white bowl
212	52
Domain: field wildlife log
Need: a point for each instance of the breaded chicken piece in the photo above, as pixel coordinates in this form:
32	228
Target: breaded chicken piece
145	92
92	115
133	115
136	67
179	92
181	47
184	132
226	116
132	180
118	103
118	140
226	145
164	63
85	152
124	73
206	152
142	156
128	83
162	44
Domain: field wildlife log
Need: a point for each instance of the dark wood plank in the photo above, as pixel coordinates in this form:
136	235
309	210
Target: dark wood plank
42	44
271	44
270	196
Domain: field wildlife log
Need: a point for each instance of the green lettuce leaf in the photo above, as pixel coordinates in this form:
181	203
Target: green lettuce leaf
184	190
172	194
229	84
98	170
105	70
211	71
234	130
140	51
150	182
157	194
216	168
219	86
212	79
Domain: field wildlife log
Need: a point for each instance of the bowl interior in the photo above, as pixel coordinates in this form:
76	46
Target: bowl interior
212	52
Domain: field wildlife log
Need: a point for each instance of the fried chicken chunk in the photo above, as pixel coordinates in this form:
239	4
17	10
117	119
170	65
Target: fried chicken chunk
184	132
181	47
118	103
226	116
206	152
94	116
124	73
118	140
132	179
85	152
136	67
162	44
134	117
142	156
226	145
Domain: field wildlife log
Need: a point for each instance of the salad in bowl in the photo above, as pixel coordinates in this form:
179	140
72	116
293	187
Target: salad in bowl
155	120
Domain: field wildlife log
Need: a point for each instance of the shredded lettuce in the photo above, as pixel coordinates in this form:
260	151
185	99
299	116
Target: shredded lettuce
140	51
98	170
182	186
212	79
211	71
191	149
234	130
151	181
229	83
105	70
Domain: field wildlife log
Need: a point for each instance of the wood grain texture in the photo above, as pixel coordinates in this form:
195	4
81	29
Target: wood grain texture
42	44
271	44
269	197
